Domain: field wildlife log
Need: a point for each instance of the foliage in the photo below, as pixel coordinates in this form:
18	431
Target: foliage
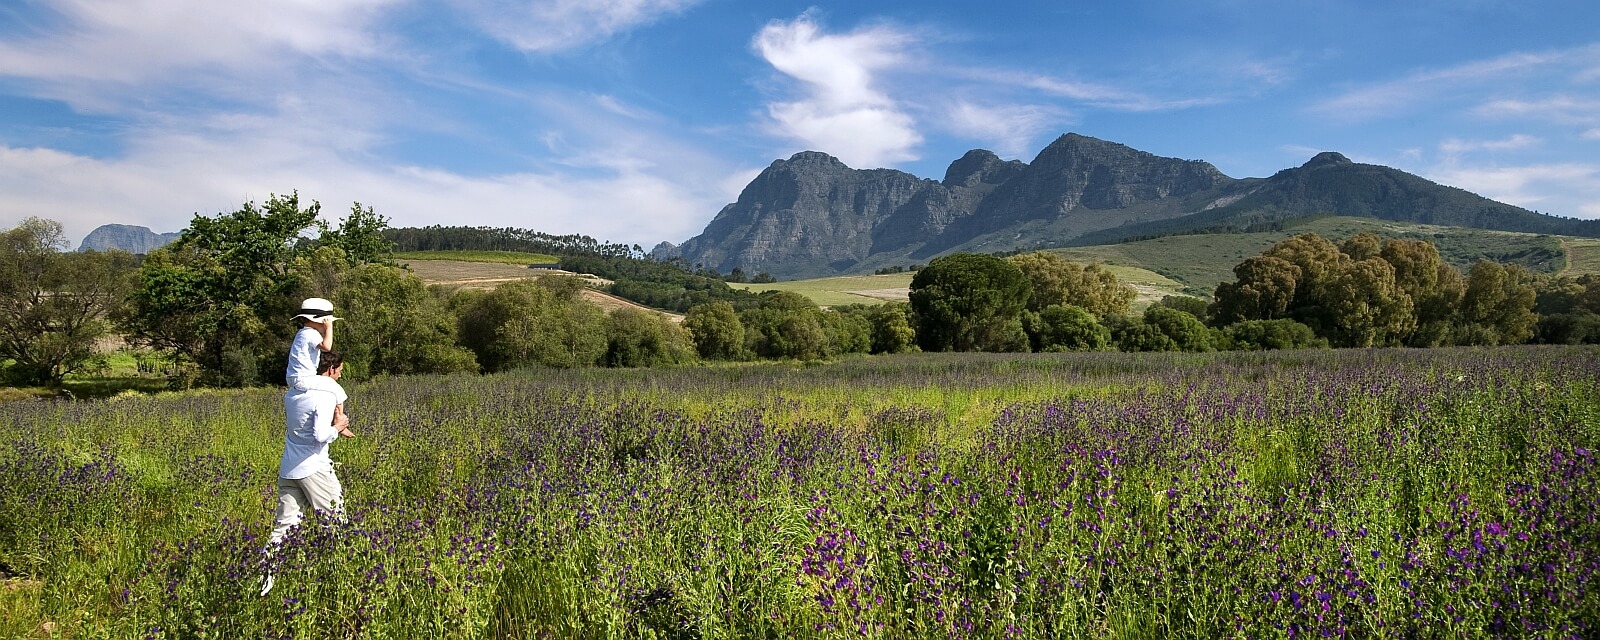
531	323
440	238
54	306
637	338
970	302
1066	328
891	328
1058	281
360	237
717	332
1197	307
663	285
394	325
1257	335
1132	333
785	325
1497	307
221	295
1185	330
1364	306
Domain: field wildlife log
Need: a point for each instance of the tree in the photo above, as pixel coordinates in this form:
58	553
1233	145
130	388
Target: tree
54	306
970	302
847	332
1186	331
1132	333
1435	288
522	324
1066	328
891	328
1058	281
220	296
1497	307
360	237
1369	308
785	325
1265	290
1256	335
1196	307
717	332
393	325
1319	263
638	338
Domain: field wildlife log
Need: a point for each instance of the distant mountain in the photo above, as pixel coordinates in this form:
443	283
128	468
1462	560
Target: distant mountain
128	238
812	216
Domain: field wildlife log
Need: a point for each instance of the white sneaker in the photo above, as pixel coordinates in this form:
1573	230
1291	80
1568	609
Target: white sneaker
266	584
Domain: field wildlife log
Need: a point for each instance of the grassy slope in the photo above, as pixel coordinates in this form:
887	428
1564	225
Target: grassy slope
1583	256
841	290
1203	261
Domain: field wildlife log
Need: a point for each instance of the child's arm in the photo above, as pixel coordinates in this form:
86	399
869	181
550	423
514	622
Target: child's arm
327	335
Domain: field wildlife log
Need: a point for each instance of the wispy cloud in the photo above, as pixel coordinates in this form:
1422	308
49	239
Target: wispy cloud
127	42
842	110
1561	109
1592	134
1561	188
1455	146
1406	93
1010	128
555	25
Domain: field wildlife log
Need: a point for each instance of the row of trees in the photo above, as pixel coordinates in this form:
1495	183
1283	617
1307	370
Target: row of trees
217	302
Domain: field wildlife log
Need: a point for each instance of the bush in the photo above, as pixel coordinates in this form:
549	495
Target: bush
1258	335
1066	328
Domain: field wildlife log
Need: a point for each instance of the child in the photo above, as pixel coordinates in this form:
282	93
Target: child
305	352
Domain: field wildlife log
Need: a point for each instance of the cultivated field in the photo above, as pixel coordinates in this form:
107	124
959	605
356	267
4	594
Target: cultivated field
1370	494
896	287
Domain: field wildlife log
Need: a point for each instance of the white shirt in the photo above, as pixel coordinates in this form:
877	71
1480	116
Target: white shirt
309	431
304	353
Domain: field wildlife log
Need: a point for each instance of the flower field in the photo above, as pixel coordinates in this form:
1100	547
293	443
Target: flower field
1371	494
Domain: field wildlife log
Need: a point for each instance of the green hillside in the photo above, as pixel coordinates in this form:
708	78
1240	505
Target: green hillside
1200	262
842	290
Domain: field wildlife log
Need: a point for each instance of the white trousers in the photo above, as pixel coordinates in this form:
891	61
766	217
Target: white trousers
320	491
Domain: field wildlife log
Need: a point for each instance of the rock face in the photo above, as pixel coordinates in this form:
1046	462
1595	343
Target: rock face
813	216
127	238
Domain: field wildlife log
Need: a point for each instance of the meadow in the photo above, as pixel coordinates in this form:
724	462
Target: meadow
1356	493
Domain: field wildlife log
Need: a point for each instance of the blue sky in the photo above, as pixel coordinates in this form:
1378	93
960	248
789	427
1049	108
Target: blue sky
637	120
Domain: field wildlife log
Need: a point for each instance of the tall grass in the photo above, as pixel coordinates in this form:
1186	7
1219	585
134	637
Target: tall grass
1403	494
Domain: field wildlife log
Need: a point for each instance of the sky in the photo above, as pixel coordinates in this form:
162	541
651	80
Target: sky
636	121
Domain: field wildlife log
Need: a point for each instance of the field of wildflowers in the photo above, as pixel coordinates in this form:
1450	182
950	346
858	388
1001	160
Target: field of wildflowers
1388	494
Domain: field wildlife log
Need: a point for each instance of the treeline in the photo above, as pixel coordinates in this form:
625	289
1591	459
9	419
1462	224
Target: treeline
216	305
439	238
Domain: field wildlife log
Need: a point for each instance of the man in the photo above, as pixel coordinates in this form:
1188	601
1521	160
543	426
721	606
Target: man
305	473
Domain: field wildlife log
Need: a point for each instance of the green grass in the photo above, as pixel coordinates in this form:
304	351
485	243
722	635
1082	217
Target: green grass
1583	256
843	290
1415	493
839	290
499	257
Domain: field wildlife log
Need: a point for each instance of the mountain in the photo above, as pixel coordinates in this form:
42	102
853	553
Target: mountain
812	215
127	238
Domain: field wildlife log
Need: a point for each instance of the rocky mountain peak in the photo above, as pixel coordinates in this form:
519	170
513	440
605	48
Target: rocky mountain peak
1326	159
980	166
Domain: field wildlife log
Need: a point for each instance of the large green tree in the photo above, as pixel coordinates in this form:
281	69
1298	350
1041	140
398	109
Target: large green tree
221	295
394	325
1434	286
526	323
54	305
970	302
1497	307
1367	307
1059	281
718	334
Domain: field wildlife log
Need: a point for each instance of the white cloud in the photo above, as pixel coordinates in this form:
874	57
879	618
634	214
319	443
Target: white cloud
1402	94
1567	189
555	25
1457	146
1010	129
843	112
1592	134
1558	109
127	42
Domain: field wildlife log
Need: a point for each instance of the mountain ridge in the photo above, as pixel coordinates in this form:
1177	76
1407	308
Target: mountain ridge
811	215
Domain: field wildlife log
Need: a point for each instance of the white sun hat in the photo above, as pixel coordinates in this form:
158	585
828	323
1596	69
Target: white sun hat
316	310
